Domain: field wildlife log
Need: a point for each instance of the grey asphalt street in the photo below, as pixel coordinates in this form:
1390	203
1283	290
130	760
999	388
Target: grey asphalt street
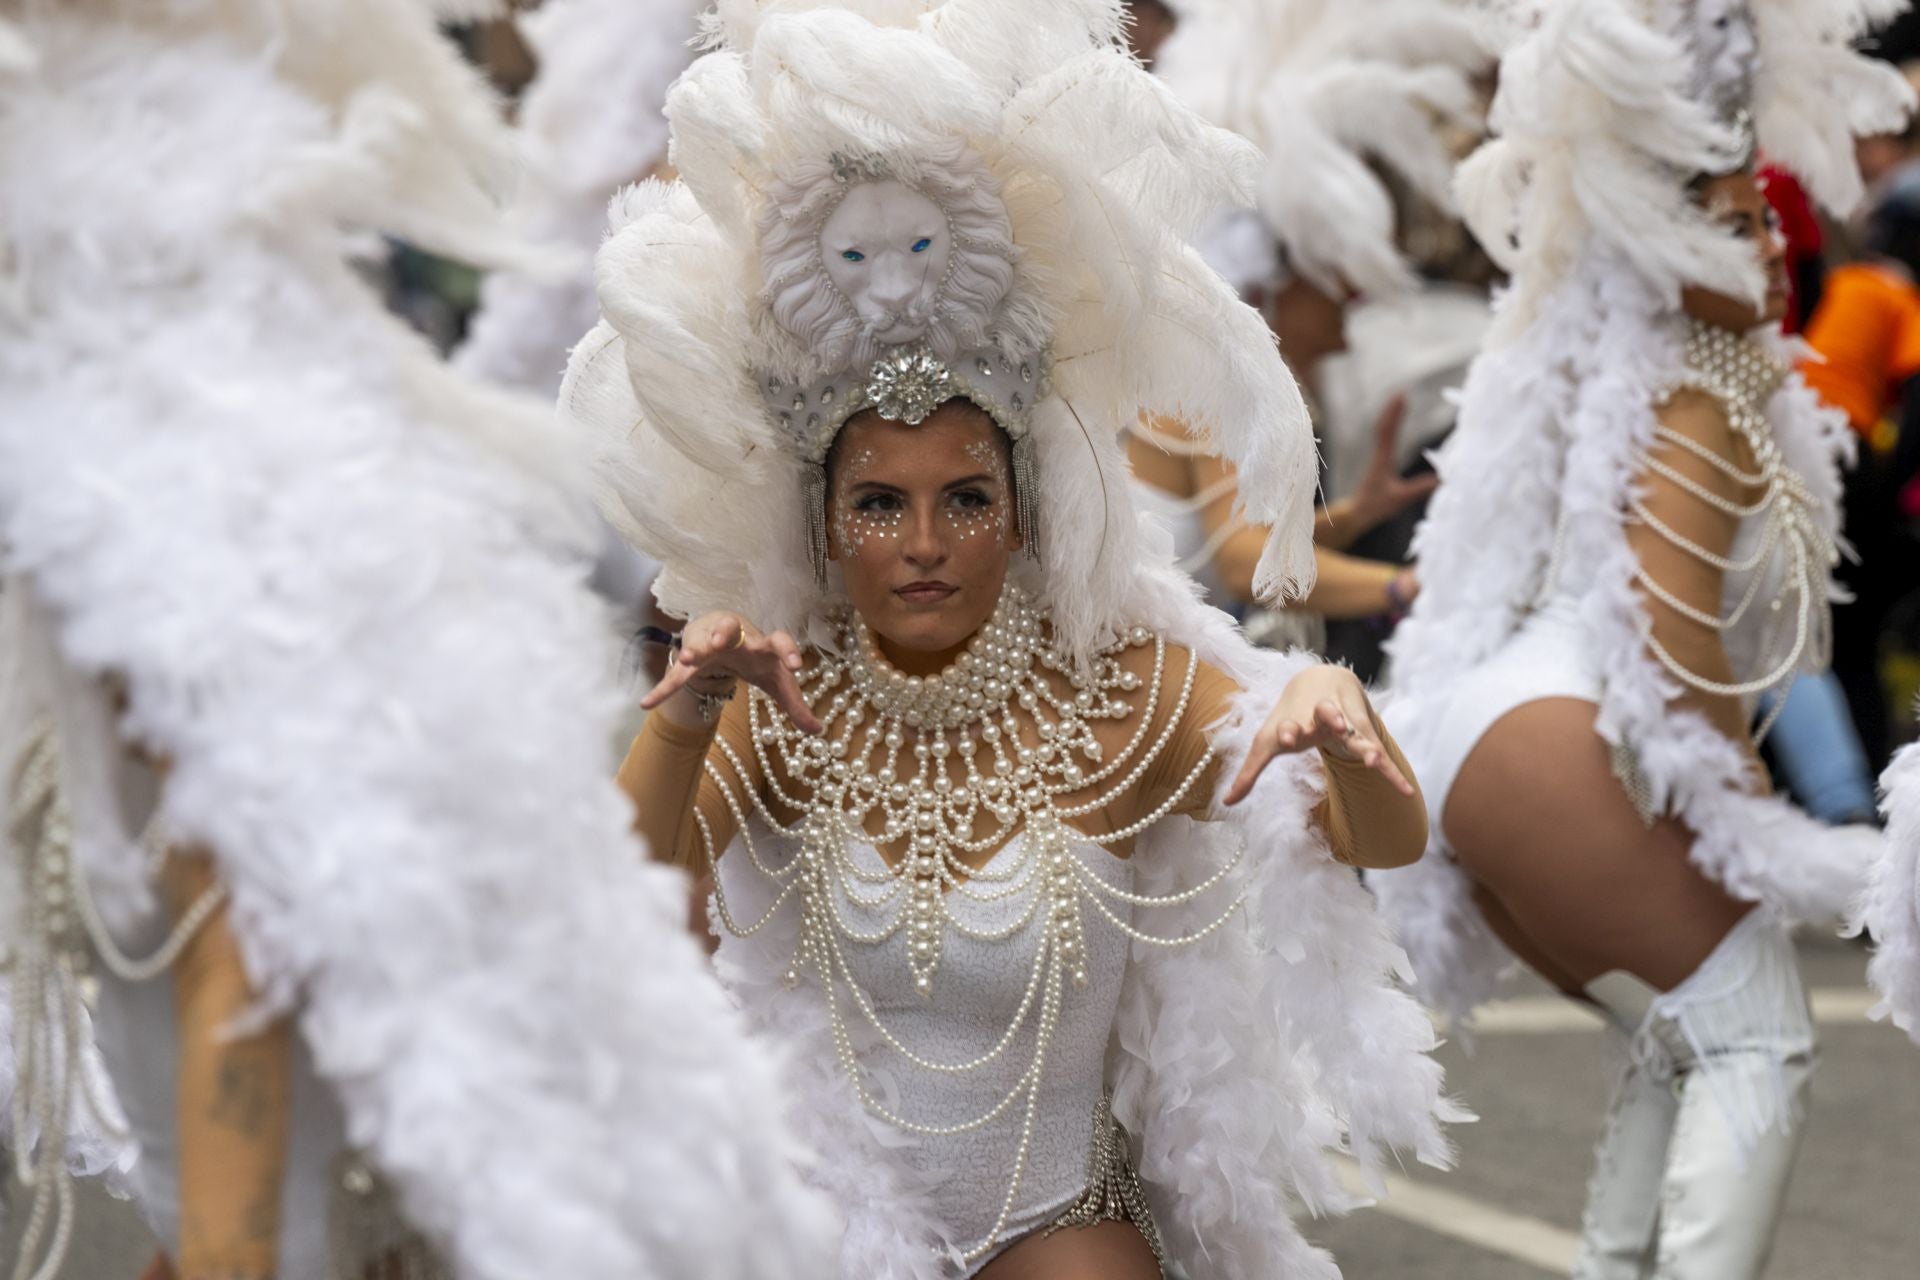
1540	1087
1538	1078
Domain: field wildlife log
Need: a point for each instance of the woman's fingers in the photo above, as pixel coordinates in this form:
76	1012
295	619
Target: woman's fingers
1386	432
723	635
1279	736
787	660
782	658
1327	708
786	650
675	678
1366	745
786	695
1258	757
1380	760
702	642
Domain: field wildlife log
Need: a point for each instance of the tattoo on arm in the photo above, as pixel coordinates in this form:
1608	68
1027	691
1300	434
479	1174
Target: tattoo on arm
241	1095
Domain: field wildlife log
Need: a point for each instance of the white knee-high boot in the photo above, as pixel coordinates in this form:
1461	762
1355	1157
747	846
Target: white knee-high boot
1617	1231
1732	1049
1742	1040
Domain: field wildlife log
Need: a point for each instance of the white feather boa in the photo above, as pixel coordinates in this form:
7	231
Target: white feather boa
355	623
1552	430
1238	1064
1890	911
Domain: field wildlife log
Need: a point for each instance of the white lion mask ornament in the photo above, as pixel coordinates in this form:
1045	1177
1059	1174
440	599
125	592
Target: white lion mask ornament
886	248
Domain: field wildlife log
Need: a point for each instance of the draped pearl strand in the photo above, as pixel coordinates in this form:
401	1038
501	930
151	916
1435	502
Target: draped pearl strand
994	742
1791	549
49	965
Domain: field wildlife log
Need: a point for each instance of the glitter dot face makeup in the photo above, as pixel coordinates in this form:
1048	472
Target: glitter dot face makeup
989	519
855	525
919	525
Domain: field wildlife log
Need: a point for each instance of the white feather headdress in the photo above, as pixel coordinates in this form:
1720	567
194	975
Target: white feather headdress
1607	107
1322	87
1100	175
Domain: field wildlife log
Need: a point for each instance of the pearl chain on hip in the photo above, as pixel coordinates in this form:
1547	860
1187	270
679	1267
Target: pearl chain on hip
49	968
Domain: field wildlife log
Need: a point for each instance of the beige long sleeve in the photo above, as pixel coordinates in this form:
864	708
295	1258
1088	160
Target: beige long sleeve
665	775
233	1095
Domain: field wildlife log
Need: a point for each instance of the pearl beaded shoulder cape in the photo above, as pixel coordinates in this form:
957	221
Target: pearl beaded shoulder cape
1257	1028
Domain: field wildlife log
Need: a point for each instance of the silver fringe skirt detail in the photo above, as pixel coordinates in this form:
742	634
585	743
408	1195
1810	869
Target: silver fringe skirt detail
1113	1193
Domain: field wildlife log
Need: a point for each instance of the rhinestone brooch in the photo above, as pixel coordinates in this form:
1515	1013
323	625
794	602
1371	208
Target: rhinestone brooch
908	385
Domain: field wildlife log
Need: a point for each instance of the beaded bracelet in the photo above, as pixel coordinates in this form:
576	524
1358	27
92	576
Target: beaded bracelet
710	705
1397	602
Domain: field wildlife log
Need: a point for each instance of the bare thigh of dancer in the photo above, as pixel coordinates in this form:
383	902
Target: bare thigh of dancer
1103	1251
1564	870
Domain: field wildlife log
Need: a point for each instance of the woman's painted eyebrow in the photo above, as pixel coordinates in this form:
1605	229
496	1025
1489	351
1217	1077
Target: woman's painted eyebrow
882	486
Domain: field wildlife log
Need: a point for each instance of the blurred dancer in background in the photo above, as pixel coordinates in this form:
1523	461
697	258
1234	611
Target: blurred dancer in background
1632	539
1323	96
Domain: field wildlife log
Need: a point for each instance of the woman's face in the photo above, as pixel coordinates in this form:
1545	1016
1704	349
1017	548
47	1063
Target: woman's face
921	521
1734	201
1309	322
1149	23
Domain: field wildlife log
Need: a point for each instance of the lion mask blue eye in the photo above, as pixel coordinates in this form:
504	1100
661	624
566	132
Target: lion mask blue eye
853	255
922	244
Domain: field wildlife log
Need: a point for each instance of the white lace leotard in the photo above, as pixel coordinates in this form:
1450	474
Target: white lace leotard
980	993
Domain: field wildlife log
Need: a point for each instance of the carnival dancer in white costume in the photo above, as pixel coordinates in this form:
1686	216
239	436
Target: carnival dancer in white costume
303	722
590	122
1632	539
1325	90
860	386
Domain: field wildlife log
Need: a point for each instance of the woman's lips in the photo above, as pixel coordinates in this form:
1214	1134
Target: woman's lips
924	592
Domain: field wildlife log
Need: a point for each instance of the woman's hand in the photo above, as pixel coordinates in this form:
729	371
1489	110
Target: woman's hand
1323	707
719	649
1382	493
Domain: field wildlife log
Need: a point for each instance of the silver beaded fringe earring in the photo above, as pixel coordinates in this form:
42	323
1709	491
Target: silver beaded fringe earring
813	486
1026	491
